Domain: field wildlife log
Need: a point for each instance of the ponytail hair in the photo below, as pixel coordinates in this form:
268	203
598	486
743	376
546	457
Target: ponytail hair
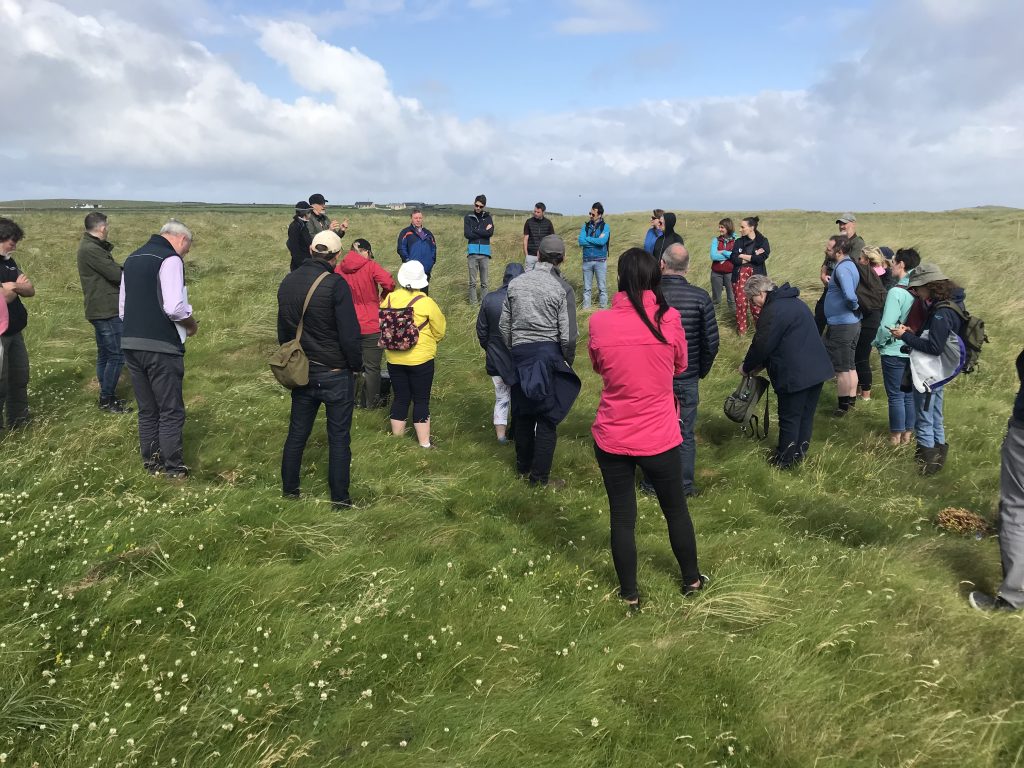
639	272
753	221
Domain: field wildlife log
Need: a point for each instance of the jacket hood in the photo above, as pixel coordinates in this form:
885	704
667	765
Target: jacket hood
670	223
513	270
785	291
353	262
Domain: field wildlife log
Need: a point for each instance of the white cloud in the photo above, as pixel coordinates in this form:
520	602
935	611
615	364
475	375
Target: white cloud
600	17
110	105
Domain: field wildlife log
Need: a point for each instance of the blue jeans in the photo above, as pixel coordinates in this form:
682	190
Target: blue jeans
929	429
902	411
686	393
335	390
600	269
109	357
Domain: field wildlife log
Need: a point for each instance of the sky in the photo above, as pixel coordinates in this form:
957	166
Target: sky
678	104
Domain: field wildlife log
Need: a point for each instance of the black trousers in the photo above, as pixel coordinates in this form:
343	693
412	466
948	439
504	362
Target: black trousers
536	437
665	473
411	383
862	356
157	380
796	422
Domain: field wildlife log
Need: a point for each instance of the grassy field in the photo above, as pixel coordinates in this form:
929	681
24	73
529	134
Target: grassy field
459	617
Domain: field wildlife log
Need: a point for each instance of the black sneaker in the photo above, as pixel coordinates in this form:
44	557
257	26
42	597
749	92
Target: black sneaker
982	602
689	590
178	473
114	405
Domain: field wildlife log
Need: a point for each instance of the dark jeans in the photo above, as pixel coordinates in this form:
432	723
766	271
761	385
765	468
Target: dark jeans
109	357
664	472
335	390
372	354
796	422
14	380
902	411
862	356
157	380
411	383
688	397
536	437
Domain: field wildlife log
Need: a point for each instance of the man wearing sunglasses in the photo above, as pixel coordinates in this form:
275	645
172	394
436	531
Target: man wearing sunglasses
478	227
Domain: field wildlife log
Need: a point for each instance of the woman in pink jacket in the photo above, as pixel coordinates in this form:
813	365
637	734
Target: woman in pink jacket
369	283
637	346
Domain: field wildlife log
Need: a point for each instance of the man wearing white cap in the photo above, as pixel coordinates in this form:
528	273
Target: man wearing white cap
330	339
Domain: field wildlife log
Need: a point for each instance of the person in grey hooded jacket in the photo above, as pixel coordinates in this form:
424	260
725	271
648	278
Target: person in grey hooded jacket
498	356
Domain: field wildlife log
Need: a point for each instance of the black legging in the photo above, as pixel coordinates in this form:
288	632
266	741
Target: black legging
862	357
665	473
411	382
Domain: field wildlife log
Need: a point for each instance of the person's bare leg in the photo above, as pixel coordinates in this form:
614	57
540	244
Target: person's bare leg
501	430
422	432
397	427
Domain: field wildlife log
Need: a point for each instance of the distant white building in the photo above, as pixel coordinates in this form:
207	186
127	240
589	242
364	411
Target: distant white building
366	204
396	206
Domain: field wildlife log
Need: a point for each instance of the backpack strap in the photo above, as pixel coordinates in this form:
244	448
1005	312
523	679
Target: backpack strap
305	304
424	323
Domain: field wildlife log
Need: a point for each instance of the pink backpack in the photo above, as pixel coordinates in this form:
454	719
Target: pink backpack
398	329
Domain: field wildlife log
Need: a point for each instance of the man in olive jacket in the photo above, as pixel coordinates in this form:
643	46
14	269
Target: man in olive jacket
101	282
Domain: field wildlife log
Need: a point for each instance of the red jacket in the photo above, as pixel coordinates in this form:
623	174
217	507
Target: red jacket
637	415
369	283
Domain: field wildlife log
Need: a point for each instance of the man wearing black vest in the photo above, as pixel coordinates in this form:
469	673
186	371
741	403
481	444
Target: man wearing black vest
156	315
535	229
331	341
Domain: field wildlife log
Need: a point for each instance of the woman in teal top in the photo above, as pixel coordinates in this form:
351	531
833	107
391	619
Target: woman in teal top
721	267
902	415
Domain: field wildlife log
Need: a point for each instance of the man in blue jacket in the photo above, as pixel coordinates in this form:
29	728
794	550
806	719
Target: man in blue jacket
417	243
478	229
842	313
594	238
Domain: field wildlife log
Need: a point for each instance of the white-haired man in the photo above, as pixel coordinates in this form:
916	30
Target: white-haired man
154	308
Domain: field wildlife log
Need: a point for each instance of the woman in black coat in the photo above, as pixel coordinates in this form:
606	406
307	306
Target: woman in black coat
787	343
749	253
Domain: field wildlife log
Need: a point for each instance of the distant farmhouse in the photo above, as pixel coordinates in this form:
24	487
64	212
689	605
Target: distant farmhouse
396	206
86	205
366	204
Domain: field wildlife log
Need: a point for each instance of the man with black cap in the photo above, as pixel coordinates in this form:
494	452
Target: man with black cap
535	327
318	221
299	236
330	339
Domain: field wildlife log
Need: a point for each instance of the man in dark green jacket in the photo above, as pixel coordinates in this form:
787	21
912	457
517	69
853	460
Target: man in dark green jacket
101	281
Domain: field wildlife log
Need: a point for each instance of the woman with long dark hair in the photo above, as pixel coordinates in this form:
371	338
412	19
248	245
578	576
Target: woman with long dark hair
637	346
749	253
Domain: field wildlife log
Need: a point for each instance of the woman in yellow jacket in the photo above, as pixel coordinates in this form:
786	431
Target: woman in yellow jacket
412	370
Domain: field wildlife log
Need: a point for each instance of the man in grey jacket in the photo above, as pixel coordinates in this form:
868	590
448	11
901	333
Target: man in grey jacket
100	276
535	327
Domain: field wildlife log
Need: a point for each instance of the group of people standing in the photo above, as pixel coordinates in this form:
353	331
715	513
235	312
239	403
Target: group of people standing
651	348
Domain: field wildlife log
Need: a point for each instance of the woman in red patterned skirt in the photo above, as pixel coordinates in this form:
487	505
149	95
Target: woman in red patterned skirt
749	254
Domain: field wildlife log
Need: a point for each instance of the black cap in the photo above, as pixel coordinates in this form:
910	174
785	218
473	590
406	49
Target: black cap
302	206
317	199
362	244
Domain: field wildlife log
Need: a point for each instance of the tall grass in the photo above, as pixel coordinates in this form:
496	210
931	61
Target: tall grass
458	617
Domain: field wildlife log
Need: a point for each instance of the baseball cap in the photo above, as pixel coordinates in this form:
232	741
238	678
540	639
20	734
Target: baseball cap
362	244
327	242
317	199
302	206
847	218
552	245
